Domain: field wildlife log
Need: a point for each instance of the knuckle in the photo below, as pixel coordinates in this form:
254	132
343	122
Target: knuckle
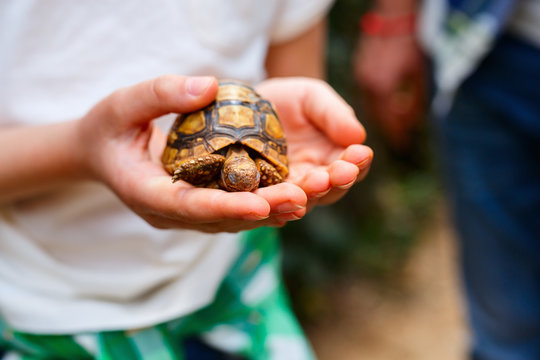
115	103
159	87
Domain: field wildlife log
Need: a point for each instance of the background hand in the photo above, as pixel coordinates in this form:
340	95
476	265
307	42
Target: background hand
391	70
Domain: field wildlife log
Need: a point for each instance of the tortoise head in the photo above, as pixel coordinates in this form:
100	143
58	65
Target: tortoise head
239	172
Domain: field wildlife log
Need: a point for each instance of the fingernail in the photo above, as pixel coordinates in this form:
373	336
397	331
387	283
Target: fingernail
316	195
254	217
197	85
288	207
288	217
364	163
346	186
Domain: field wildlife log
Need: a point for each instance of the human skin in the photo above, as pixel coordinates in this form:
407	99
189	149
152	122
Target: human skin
391	72
305	56
116	144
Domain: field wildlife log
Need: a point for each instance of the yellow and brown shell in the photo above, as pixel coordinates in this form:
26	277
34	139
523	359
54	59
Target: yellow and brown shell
238	116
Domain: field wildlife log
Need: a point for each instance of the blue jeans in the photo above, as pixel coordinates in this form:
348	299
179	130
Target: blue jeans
490	151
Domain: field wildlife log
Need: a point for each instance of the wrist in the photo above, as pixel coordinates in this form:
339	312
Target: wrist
395	7
82	151
380	24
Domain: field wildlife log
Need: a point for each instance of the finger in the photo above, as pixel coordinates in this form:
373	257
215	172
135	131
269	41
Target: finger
319	103
331	114
138	104
315	183
233	226
361	156
286	217
278	220
230	226
184	202
342	175
156	144
287	202
283	197
331	184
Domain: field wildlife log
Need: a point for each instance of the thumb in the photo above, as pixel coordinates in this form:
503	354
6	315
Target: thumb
138	104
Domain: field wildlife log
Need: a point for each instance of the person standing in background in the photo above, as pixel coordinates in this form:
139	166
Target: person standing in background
485	59
101	256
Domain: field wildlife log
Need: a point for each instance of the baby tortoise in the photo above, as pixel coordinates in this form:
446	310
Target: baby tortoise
236	143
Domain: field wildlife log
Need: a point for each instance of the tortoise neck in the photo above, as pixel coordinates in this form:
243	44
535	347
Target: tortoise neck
237	150
239	172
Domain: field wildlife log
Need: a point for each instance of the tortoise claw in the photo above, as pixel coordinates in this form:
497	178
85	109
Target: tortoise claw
269	174
198	170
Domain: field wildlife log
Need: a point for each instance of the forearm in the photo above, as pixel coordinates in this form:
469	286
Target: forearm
38	158
304	55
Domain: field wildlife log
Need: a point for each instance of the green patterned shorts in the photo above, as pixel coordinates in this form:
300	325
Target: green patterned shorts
250	317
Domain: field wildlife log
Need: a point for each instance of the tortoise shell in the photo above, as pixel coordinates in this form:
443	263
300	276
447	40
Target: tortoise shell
237	117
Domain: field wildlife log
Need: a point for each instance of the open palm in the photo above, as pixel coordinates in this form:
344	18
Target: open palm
324	137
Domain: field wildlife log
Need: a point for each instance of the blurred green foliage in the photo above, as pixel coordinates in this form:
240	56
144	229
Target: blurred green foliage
370	232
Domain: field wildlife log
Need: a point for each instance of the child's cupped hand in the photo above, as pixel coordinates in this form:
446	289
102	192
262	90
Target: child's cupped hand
117	137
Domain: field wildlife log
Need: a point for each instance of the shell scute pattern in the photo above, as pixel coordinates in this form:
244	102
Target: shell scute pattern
238	117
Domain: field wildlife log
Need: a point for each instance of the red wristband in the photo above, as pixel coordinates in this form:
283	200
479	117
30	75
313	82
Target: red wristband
375	24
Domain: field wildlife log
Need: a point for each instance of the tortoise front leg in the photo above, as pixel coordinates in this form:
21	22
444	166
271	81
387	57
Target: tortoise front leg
197	170
269	174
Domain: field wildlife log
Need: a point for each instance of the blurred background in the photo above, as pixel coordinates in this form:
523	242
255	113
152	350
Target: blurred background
374	276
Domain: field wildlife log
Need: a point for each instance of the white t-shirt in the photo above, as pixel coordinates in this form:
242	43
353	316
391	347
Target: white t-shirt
77	259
